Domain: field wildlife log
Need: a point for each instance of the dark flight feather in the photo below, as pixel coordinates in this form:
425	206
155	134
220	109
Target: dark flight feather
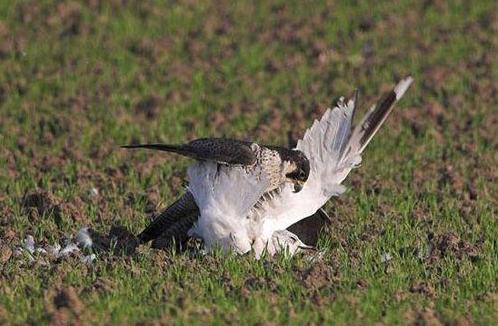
220	150
308	229
184	206
176	234
374	119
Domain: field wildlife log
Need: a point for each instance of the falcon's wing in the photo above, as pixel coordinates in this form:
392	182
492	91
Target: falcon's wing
182	208
333	150
219	150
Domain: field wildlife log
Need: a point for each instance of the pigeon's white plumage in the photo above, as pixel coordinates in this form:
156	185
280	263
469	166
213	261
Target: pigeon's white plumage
224	196
227	197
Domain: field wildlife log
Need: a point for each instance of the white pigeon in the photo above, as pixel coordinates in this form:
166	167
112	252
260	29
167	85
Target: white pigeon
235	215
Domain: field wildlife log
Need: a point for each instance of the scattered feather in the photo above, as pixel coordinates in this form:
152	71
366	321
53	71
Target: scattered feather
83	239
88	259
94	192
32	253
29	244
385	257
54	250
70	248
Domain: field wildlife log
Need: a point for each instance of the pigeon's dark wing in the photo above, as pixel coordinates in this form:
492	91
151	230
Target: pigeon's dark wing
184	207
308	229
176	234
220	150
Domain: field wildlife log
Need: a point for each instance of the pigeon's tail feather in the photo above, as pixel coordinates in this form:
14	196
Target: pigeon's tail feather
334	148
185	206
373	120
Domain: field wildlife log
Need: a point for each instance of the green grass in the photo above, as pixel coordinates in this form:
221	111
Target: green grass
74	81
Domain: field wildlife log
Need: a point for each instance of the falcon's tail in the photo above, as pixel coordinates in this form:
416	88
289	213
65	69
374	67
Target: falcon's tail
179	149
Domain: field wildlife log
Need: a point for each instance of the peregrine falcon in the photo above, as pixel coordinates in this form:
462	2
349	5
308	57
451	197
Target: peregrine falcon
279	164
243	209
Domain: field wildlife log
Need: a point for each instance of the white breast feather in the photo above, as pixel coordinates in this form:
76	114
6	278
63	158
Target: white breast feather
224	196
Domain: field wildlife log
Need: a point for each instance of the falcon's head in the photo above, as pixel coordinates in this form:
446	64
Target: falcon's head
298	169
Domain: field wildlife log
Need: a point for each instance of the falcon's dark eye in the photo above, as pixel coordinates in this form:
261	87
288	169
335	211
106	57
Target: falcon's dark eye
302	175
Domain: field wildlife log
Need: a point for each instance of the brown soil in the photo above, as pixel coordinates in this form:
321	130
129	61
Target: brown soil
449	244
5	252
64	306
40	203
119	240
319	275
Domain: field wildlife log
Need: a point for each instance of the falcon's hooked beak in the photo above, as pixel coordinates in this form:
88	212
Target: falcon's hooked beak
298	185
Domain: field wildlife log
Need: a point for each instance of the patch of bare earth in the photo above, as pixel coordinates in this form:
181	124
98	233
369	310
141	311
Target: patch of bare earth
423	288
425	317
449	244
40	203
5	252
317	276
64	307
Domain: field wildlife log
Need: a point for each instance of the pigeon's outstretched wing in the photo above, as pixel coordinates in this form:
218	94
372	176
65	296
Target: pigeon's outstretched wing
219	150
183	208
177	233
333	150
224	197
308	229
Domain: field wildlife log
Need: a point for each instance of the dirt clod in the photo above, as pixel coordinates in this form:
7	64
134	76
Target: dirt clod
148	107
428	317
450	244
118	240
68	298
318	276
423	288
65	307
5	252
40	202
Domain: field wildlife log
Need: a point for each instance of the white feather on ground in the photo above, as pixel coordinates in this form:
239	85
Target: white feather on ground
32	252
